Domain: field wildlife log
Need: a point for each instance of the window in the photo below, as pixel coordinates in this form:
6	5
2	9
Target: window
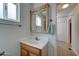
38	20
1	10
11	11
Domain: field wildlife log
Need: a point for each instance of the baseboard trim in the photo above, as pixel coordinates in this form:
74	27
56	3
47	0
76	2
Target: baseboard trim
77	54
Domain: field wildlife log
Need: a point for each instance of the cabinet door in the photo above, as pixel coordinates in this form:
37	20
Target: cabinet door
24	52
31	54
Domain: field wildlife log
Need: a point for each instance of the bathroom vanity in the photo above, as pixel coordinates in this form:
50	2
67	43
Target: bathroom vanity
31	47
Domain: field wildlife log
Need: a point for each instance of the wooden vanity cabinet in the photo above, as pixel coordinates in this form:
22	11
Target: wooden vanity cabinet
24	52
27	50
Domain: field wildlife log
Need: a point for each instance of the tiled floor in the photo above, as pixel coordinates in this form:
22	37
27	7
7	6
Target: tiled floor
63	49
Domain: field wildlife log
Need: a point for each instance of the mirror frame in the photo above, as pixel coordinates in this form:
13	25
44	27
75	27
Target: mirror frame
46	7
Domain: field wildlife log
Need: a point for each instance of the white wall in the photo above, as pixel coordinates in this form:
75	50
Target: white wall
62	29
62	22
52	42
75	29
10	34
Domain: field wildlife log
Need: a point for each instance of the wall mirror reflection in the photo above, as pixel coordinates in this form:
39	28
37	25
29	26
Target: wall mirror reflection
39	19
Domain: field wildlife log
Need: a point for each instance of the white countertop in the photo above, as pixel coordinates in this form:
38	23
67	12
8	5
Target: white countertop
35	43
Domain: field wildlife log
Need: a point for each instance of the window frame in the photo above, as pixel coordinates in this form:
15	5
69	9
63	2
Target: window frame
5	13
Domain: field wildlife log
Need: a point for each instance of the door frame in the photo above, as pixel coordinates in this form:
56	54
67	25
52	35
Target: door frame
68	31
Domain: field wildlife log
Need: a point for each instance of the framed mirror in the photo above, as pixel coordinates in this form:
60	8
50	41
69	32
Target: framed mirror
39	19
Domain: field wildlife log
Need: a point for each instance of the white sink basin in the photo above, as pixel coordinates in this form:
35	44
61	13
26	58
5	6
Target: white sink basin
32	41
36	43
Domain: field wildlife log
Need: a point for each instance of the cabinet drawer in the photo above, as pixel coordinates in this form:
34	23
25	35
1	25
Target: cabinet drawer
30	48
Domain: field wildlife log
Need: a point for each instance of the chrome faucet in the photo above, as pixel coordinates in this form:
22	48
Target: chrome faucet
37	38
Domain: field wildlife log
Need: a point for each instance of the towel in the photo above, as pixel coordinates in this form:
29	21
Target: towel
51	28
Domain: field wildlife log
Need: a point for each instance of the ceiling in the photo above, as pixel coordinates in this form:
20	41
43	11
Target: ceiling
59	6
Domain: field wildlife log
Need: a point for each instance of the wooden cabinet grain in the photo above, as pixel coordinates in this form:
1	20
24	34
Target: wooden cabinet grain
24	52
27	50
31	54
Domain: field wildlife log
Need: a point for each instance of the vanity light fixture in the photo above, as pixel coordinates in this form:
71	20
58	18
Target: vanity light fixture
65	6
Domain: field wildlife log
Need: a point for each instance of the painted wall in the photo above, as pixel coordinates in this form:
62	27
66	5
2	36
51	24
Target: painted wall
75	29
52	42
62	28
62	24
10	34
